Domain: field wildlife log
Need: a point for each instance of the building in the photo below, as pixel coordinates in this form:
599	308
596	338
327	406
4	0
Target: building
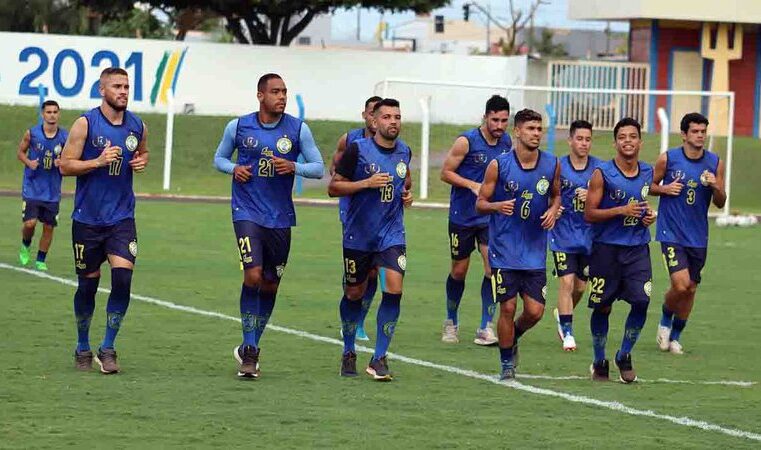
693	45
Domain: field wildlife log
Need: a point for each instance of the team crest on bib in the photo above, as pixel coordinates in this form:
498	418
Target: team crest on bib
284	145
402	261
131	142
648	288
57	149
542	186
133	248
645	191
480	158
401	169
565	183
250	142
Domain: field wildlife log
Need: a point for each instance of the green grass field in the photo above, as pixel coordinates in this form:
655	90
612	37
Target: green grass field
178	386
196	139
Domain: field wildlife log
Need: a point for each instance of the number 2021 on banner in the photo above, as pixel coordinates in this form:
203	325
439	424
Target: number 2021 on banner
100	60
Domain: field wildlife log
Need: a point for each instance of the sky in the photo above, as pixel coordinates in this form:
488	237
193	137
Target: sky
555	14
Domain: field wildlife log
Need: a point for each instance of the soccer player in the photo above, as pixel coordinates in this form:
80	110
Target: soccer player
619	266
268	143
571	238
40	152
344	142
374	172
521	193
105	146
692	176
464	169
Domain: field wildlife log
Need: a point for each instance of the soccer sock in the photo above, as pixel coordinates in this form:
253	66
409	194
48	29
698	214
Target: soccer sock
667	317
388	314
351	312
26	242
41	255
566	324
634	323
367	299
266	305
249	305
84	306
487	302
517	333
118	301
506	358
599	327
455	289
676	329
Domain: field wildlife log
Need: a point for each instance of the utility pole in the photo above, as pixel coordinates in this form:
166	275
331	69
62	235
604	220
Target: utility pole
359	22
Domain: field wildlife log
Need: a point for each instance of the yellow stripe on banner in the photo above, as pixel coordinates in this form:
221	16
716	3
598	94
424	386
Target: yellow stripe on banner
171	68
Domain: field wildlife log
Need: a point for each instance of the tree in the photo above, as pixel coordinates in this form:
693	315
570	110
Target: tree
519	20
547	48
278	22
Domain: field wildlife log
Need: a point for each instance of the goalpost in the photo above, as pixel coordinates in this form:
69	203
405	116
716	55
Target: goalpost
459	102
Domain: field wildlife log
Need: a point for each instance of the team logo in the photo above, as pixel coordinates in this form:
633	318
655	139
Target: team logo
114	320
648	288
479	158
99	141
401	169
618	194
565	183
544	291
248	322
511	186
372	168
677	174
57	149
133	248
131	142
388	328
279	270
284	145
542	186
645	191
402	262
40	147
250	142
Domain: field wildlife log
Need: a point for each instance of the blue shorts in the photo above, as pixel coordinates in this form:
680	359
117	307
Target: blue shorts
45	212
677	257
267	248
358	263
619	272
93	244
571	263
508	283
463	240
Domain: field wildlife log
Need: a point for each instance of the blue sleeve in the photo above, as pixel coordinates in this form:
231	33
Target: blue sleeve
225	149
313	167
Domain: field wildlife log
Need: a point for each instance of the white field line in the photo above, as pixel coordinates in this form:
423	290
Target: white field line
611	405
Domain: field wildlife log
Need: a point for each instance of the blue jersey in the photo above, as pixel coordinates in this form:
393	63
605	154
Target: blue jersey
343	202
104	196
618	190
462	201
683	219
44	183
518	241
572	234
266	199
375	217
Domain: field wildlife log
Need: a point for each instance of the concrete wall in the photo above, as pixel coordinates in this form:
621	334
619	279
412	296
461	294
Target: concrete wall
220	78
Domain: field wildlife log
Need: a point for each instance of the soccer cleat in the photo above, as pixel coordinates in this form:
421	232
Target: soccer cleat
627	373
248	361
106	359
449	335
41	266
662	338
349	364
600	370
485	336
676	348
83	360
569	343
556	314
507	374
23	255
361	335
378	369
